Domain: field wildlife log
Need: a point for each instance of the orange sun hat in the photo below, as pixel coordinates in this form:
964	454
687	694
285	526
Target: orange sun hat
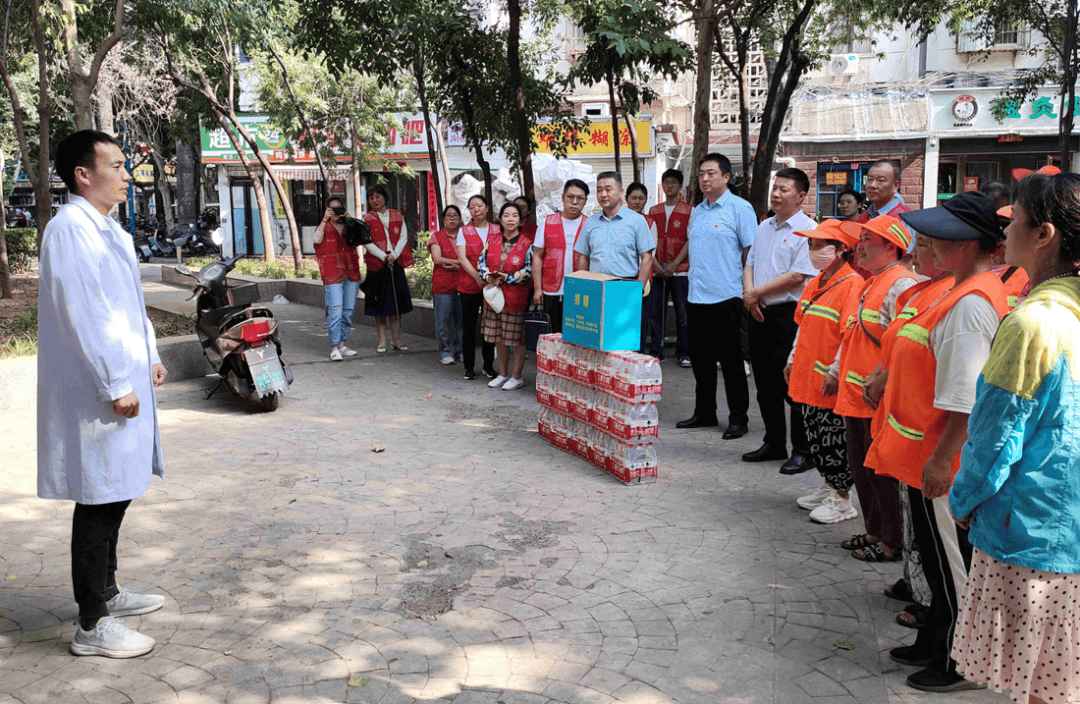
884	226
830	230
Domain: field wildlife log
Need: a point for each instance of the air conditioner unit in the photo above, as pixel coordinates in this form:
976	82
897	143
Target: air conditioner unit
843	65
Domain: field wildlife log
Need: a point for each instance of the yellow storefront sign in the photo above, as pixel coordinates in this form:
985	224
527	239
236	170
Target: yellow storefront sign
596	139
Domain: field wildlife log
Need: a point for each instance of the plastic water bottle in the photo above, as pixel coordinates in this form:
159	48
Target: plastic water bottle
543	387
643	419
582	402
584	367
602	370
543	355
562	360
543	423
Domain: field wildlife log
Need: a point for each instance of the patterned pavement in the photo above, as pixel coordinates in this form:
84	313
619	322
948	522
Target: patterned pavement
468	563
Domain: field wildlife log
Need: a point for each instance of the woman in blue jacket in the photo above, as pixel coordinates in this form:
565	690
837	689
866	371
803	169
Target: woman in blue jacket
1019	484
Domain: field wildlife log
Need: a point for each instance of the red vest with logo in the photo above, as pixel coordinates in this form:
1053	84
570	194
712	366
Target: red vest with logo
380	239
671	236
337	261
474	246
443	280
913	427
515	296
555	247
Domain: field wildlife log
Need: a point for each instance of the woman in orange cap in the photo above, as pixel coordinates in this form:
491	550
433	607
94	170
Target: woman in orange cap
883	242
814	349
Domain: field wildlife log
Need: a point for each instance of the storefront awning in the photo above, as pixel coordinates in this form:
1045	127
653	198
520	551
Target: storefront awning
310	173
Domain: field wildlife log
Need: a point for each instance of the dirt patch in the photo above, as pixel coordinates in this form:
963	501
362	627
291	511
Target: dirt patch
451	570
24	289
170	324
498	417
522	535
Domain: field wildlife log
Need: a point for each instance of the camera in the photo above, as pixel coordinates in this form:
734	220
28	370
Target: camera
338	210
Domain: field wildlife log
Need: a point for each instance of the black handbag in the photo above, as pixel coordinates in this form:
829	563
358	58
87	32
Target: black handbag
537	323
356	233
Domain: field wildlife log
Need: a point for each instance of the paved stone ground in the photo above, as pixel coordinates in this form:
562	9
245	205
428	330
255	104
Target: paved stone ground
469	563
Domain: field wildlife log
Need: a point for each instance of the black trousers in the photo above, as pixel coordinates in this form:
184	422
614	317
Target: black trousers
770	345
95	530
553	307
471	304
714	335
677	288
946	559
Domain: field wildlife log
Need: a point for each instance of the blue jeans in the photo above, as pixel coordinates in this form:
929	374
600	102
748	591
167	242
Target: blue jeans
340	301
448	326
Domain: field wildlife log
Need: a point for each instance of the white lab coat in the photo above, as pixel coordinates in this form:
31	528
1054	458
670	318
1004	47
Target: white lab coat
95	345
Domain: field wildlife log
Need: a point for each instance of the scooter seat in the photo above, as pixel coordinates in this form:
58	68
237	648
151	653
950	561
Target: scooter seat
215	317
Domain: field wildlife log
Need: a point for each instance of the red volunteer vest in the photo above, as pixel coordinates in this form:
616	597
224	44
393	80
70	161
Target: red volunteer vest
337	261
671	236
529	230
861	354
551	278
516	296
443	280
820	327
1016	282
379	238
913	427
474	246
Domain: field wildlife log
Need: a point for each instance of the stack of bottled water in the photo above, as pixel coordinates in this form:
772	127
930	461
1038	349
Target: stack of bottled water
600	405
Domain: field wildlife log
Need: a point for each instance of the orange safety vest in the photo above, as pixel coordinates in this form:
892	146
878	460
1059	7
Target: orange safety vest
818	316
474	245
909	303
554	262
1015	281
380	239
861	352
515	296
671	236
913	427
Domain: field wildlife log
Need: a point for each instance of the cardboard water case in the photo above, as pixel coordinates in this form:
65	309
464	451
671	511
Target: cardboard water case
601	312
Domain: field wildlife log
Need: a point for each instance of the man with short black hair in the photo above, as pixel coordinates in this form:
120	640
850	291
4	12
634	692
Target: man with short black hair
553	250
670	266
720	233
883	191
97	429
777	268
615	241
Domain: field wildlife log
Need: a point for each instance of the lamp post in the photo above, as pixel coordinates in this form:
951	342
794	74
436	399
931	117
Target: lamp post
131	188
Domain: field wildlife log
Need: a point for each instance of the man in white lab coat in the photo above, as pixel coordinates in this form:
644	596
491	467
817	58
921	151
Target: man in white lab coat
98	439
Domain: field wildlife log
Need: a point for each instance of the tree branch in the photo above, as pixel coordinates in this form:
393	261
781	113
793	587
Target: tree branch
106	46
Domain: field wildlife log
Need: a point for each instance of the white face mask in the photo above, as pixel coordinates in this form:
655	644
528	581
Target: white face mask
820	259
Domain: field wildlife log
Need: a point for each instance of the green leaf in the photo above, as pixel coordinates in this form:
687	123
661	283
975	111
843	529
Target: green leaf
422	563
358	681
844	645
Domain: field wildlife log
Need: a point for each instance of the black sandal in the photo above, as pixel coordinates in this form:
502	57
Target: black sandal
901	591
855	542
875	553
917	611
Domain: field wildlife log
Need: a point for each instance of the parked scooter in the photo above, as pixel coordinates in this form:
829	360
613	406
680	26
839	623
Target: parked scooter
142	247
235	336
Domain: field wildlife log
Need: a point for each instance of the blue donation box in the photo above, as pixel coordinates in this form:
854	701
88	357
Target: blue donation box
601	312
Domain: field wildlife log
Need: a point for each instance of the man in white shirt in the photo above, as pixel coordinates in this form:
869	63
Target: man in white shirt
553	250
98	438
777	268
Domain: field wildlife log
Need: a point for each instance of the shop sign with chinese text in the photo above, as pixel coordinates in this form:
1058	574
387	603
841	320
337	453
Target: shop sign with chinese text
957	111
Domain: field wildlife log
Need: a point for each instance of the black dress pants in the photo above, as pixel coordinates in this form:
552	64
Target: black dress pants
770	345
95	530
714	335
471	304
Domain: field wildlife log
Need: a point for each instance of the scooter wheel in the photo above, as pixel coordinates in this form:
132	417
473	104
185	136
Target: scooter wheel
270	402
143	258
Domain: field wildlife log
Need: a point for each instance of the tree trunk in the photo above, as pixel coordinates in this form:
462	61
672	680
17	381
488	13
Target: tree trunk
445	163
282	194
633	148
703	96
161	185
106	119
257	186
81	79
300	113
524	139
187	190
5	269
421	91
1068	93
41	181
485	167
610	79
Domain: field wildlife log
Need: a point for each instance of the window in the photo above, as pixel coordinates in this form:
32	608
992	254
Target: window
834	179
972	37
596	109
724	102
575	42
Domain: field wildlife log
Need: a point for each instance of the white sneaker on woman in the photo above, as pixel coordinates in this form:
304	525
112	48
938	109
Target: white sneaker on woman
347	352
111	638
498	381
833	509
513	384
812	501
335	355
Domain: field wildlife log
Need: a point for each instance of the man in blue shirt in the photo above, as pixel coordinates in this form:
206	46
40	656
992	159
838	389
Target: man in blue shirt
615	241
721	231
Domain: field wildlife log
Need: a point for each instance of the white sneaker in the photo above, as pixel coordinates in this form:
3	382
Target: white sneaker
335	355
111	638
746	367
833	510
498	381
128	603
446	360
513	384
812	501
345	351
